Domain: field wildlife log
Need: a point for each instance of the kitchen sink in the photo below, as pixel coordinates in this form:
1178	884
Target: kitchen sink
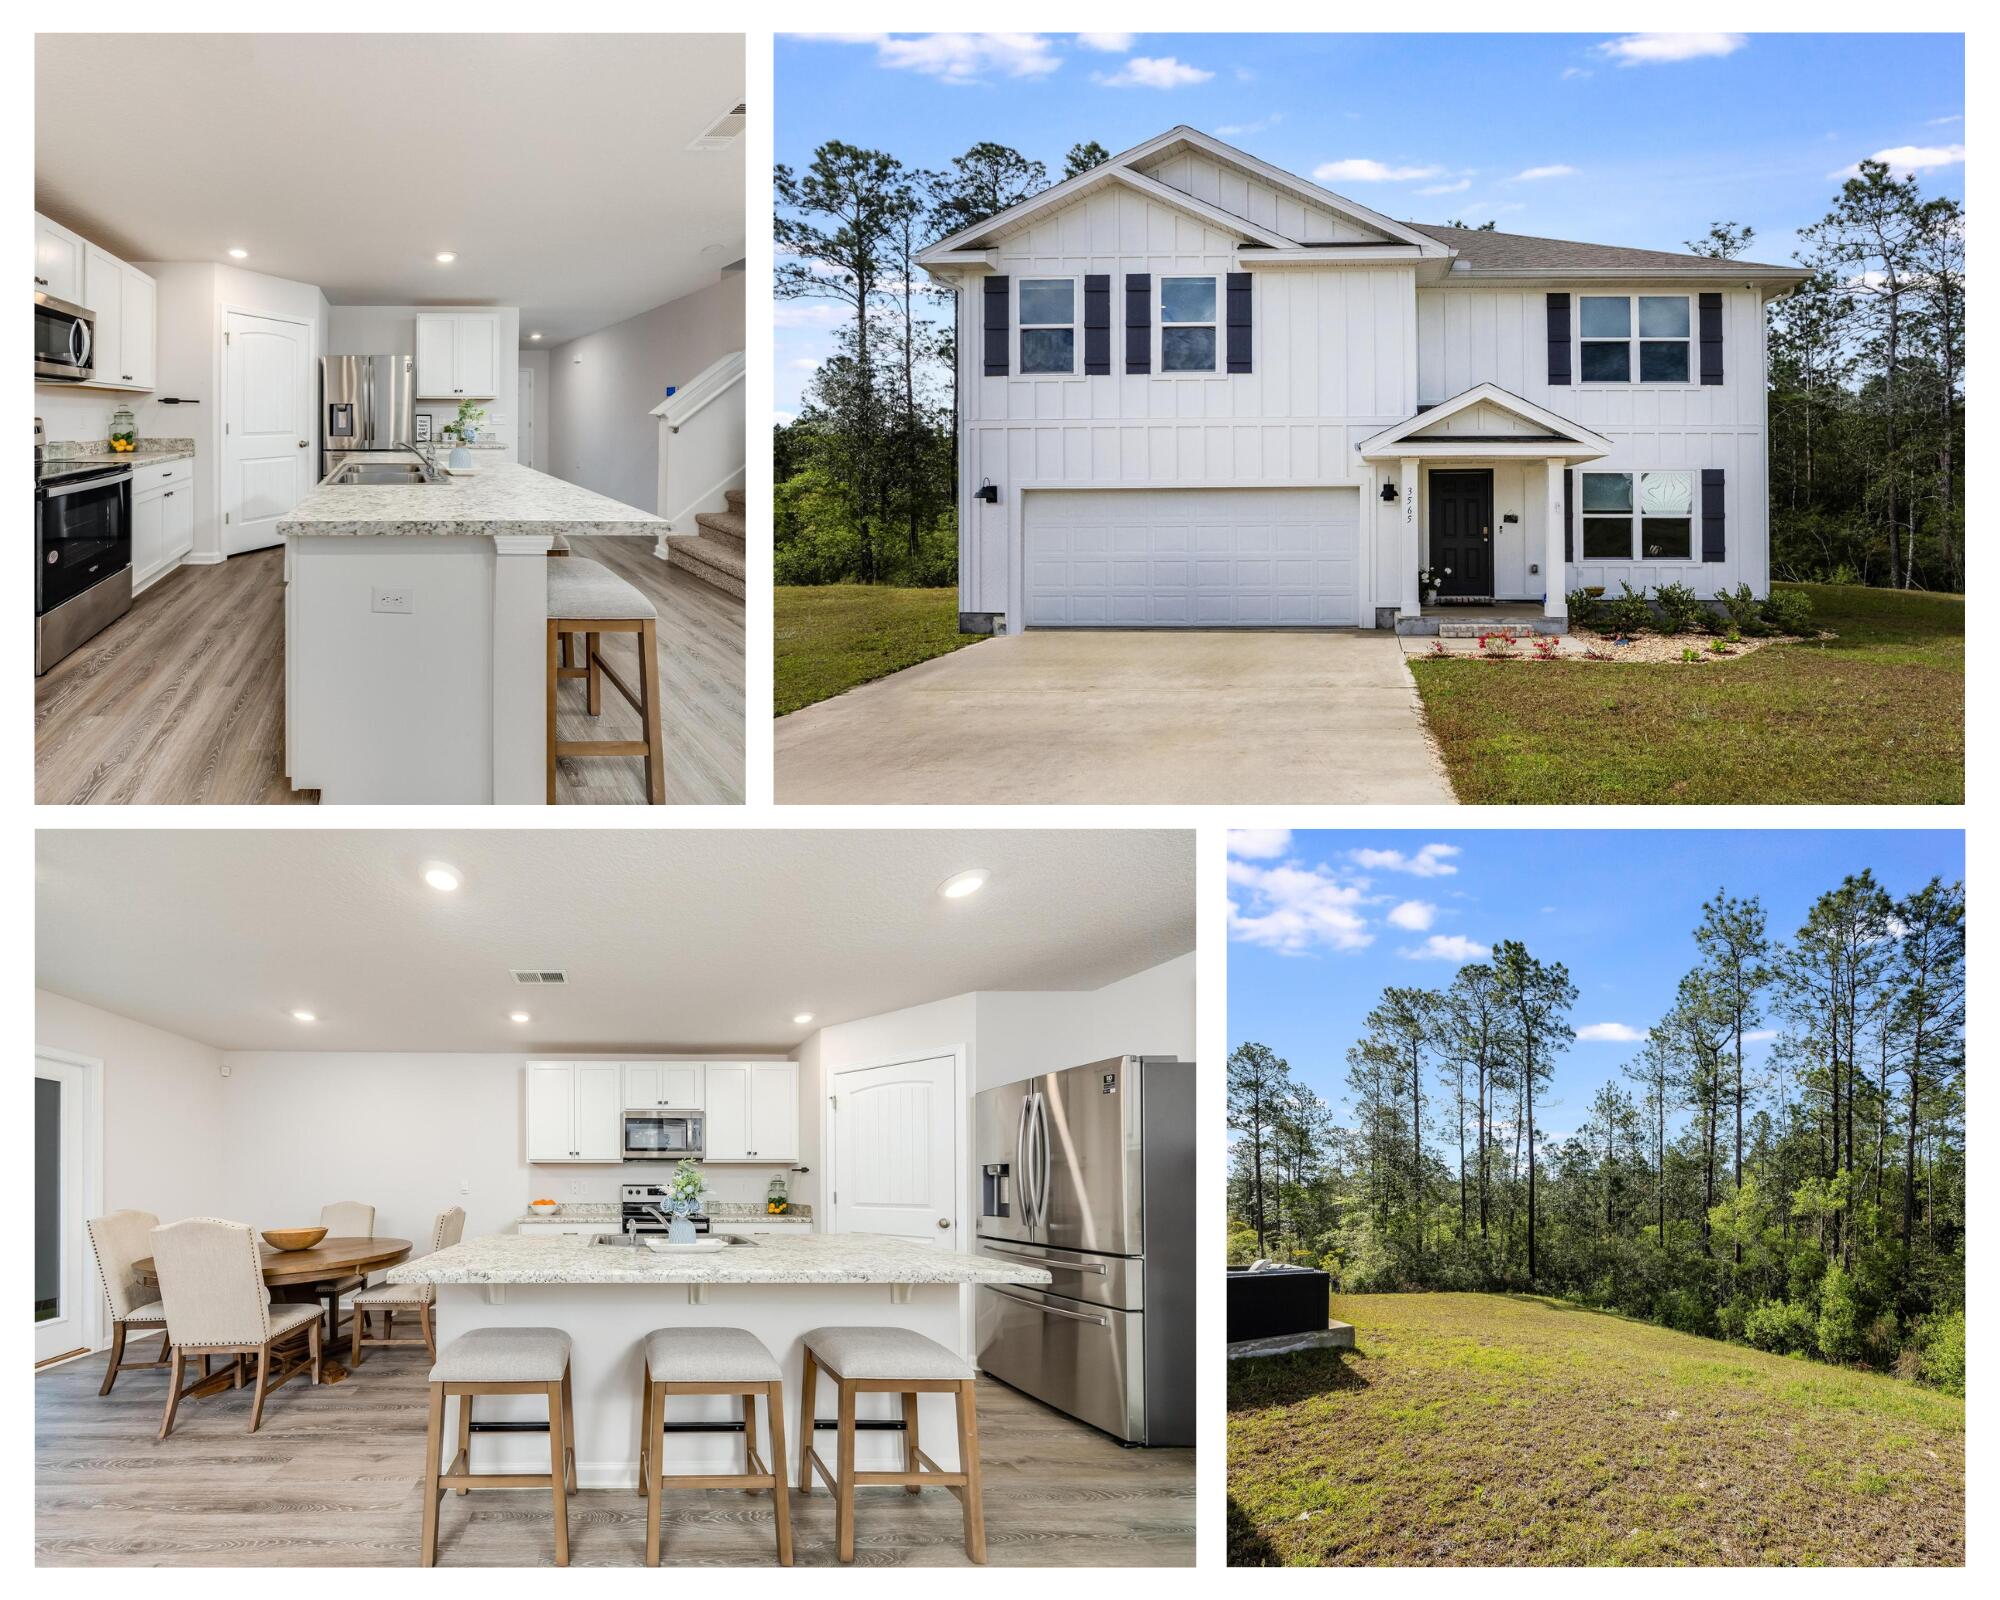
381	472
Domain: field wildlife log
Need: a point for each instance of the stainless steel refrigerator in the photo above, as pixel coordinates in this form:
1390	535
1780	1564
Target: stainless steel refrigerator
366	403
1090	1173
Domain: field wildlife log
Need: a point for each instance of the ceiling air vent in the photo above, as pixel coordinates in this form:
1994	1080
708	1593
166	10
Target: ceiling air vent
724	131
538	975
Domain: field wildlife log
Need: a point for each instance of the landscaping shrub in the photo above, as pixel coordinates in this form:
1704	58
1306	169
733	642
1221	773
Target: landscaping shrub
1746	614
1783	1327
1681	610
1941	1352
1628	613
1789	612
1583	607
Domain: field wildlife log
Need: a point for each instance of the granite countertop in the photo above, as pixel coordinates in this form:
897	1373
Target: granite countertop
151	452
775	1258
503	497
736	1211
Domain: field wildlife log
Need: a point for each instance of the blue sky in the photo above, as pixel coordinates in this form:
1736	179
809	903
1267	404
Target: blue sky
1638	140
1321	923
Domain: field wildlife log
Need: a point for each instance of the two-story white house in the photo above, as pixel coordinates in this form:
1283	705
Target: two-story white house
1196	391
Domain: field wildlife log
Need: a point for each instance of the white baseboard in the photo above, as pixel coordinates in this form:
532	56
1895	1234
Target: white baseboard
204	558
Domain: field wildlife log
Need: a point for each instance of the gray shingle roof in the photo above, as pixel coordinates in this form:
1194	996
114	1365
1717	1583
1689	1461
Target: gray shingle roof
1485	251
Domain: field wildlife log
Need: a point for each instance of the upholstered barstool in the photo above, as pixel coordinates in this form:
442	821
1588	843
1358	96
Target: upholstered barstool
490	1361
389	1298
116	1242
588	598
726	1361
889	1361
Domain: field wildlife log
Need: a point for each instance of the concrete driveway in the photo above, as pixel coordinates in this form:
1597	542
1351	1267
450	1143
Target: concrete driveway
1125	718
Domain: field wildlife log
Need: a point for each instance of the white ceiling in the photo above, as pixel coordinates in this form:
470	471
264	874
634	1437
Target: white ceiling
673	938
555	165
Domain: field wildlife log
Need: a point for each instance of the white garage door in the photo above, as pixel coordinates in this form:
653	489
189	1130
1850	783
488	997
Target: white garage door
1210	558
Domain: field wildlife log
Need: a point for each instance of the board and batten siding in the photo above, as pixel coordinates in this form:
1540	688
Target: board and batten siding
1469	334
1242	195
1333	360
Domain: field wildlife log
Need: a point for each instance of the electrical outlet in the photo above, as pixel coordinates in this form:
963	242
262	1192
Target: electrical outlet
576	1186
465	1186
396	602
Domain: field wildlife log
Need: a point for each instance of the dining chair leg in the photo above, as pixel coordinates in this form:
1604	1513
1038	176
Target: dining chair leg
554	634
594	684
650	1465
430	1331
559	1473
781	1505
117	1355
263	1385
318	1354
357	1326
749	1436
910	1442
968	1463
433	1443
173	1391
843	1497
569	1429
806	1402
464	1461
650	690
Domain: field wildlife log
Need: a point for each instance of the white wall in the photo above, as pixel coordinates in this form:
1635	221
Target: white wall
164	1148
392	331
603	387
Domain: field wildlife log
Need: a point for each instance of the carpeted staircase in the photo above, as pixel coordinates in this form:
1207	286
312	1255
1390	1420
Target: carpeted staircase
715	555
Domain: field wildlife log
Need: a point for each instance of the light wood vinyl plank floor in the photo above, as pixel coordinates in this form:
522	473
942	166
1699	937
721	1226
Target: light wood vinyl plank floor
181	701
333	1479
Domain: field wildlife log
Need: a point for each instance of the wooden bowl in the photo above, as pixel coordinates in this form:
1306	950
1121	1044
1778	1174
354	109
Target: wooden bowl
293	1238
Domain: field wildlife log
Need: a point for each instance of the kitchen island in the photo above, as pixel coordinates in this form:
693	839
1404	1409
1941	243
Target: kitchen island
608	1297
416	632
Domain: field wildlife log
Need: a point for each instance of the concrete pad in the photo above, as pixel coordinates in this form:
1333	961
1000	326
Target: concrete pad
1334	1336
1125	718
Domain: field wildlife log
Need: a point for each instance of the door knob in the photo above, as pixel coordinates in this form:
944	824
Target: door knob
944	1222
302	444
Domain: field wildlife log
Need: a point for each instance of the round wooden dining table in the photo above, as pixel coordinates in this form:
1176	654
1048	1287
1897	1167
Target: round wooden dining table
322	1267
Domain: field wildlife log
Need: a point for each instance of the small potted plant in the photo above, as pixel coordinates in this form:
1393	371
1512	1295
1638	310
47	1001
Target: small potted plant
1430	580
463	430
684	1190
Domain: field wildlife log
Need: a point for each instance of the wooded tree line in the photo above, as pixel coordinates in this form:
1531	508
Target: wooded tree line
1810	1200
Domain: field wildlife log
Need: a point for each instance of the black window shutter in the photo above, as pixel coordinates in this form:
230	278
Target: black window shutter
1712	546
1559	339
996	327
1138	322
1711	341
1239	321
1097	323
1569	516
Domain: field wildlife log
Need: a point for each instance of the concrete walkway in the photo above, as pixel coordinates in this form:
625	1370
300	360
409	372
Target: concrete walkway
1125	718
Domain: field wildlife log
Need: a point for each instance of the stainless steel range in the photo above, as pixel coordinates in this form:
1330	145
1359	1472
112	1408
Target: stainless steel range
638	1201
83	551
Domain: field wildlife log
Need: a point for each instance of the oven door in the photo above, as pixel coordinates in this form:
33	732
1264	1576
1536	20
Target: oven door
663	1135
83	535
64	336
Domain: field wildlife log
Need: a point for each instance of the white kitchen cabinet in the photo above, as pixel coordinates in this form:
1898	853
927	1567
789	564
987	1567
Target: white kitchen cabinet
663	1083
58	261
123	300
573	1111
753	1110
162	520
458	356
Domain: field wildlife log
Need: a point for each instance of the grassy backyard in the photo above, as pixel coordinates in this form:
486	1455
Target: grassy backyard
1473	1429
828	639
1874	715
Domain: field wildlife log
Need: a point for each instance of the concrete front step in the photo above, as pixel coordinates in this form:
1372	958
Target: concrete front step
715	561
1485	630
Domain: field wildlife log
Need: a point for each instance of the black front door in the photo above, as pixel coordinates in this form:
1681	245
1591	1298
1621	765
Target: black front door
1462	532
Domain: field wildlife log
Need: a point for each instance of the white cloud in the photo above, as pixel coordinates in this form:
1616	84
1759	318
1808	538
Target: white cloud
1609	1032
784	419
1433	861
1943	122
1534	173
1236	130
806	314
962	57
1760	1035
1293	909
1416	915
1447	188
805	363
1259	844
1359	169
1449	947
1904	159
1115	43
1575	72
1650	49
1153	72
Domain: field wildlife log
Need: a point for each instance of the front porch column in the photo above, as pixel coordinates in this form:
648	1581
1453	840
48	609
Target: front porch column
1555	602
1411	543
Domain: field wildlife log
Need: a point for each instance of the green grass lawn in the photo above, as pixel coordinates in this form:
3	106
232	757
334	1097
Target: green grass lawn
1874	715
830	638
1473	1429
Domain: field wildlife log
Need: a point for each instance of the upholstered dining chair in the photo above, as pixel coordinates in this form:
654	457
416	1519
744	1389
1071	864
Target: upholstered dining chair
116	1242
345	1219
389	1298
212	1284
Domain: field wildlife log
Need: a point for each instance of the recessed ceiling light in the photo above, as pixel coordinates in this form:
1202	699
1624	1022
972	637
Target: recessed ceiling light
534	336
446	257
304	1016
517	1016
803	1018
964	884
441	877
240	255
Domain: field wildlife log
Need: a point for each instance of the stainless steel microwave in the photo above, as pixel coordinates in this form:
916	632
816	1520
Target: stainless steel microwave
669	1134
65	337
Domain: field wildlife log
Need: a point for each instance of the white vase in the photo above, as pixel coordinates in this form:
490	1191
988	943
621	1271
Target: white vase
459	457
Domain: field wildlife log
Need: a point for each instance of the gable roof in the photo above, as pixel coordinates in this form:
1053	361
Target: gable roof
1412	436
1484	252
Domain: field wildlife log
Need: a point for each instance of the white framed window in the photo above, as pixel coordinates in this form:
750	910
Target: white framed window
1638	516
1045	309
1190	329
1635	338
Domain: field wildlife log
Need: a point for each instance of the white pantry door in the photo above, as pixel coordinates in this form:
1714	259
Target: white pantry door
62	1286
524	424
268	426
895	1143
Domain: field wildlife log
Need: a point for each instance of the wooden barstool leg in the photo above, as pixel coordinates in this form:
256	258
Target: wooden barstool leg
781	1505
910	1442
433	1495
843	1496
464	1461
650	690
554	669
569	1430
807	1400
649	1464
968	1463
559	1472
594	684
749	1434
117	1355
173	1392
